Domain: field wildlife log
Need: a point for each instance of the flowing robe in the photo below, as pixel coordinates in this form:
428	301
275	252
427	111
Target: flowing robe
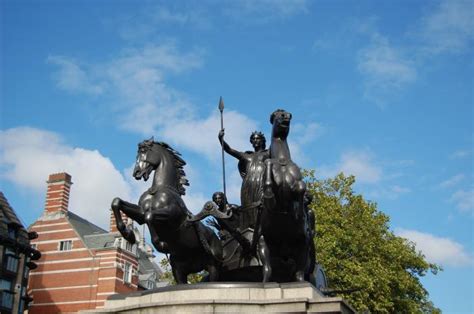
252	169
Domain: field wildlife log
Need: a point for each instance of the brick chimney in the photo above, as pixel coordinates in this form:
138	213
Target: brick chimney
113	223
57	195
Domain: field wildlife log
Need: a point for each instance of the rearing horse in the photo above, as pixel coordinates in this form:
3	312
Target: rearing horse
286	236
192	246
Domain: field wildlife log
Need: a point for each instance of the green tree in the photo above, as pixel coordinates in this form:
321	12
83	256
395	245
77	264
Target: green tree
358	251
167	274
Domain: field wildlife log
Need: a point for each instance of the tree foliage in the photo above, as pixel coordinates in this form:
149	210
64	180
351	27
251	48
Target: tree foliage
358	251
167	274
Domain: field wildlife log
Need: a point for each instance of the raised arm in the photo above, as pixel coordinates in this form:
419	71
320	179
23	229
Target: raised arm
227	148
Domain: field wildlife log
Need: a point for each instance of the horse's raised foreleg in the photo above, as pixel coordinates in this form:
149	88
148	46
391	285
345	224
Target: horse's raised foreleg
132	211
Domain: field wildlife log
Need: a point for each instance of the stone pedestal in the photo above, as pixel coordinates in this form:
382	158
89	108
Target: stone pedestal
299	297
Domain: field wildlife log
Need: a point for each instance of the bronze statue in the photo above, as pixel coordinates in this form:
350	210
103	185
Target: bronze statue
268	238
284	228
192	246
251	167
231	210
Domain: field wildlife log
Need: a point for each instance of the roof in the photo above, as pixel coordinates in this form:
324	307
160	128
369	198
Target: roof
82	226
99	241
8	217
146	265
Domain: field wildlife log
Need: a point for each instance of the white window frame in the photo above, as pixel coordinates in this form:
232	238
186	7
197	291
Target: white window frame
127	272
65	245
150	284
128	246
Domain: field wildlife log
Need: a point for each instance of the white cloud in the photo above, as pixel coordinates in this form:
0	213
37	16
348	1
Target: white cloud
263	11
385	68
392	192
449	28
454	180
459	154
439	250
195	201
71	77
464	200
144	103
135	84
306	133
151	21
201	135
361	164
300	136
29	156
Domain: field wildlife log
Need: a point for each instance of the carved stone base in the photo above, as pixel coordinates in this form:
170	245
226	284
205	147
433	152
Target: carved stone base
299	297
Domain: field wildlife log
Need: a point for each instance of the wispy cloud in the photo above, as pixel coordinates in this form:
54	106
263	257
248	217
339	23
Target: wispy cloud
264	11
464	200
300	136
385	68
459	154
154	20
359	163
71	77
436	249
392	192
135	84
29	155
448	28
138	96
454	180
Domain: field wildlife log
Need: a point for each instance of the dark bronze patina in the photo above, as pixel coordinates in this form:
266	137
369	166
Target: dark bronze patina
192	246
269	237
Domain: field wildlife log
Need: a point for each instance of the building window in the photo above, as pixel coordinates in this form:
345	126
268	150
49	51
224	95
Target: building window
127	273
6	295
65	245
12	232
128	246
150	284
11	260
6	299
125	245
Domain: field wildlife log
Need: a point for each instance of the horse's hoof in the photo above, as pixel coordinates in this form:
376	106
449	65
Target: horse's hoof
116	203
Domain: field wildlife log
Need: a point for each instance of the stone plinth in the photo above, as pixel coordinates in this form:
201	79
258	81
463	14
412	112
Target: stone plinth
252	297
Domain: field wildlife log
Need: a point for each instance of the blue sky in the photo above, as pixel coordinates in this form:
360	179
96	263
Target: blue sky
379	89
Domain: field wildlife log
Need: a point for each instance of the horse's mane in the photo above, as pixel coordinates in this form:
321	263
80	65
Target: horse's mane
179	163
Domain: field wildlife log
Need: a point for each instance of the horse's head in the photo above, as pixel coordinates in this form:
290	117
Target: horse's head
147	159
280	119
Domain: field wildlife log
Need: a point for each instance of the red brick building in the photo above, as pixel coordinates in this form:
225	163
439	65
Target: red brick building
82	264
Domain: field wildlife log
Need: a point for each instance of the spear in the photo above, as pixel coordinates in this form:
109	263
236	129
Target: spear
221	109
